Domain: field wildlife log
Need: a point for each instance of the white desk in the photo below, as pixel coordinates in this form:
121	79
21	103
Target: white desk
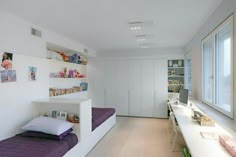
197	145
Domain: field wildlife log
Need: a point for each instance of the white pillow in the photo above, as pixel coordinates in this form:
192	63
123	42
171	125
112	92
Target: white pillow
48	125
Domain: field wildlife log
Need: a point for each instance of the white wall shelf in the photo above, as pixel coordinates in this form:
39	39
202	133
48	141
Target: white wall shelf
65	63
66	79
69	94
59	85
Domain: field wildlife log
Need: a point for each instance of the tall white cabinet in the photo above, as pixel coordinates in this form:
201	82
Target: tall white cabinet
135	91
121	90
147	88
133	87
160	91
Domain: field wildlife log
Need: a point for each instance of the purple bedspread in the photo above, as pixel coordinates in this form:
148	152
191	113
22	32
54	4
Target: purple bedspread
19	146
99	115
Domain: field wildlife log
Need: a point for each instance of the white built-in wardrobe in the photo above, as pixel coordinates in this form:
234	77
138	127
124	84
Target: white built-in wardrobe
134	87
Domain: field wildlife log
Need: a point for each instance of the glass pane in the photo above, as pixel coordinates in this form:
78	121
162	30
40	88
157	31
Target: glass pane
188	74
223	68
207	71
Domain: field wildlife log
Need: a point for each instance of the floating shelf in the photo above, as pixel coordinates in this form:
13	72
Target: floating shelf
175	67
69	78
66	94
175	75
63	62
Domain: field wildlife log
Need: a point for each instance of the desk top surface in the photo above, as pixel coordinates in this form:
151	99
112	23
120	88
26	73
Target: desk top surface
199	146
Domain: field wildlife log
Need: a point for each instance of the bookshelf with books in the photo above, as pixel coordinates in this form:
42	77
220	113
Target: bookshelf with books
175	75
68	71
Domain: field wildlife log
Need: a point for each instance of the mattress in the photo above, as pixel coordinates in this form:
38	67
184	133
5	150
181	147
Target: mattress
99	115
19	146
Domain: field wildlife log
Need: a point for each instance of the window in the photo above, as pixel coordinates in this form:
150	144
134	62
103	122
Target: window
188	73
217	49
208	70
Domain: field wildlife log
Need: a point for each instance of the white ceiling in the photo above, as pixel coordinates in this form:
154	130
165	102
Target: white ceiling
103	24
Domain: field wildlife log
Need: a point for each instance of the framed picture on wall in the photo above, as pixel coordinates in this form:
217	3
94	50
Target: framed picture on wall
8	76
6	61
32	73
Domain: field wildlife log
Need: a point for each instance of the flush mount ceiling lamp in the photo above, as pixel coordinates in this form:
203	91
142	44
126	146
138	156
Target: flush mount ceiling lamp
141	39
144	45
135	28
147	45
136	25
144	37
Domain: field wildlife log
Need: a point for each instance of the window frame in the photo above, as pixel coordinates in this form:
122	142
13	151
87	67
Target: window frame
212	35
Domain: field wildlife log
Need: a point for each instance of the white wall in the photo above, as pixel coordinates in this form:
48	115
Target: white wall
16	37
15	105
16	98
226	8
149	53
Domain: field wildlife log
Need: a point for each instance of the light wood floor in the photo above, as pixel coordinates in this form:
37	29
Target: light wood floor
136	137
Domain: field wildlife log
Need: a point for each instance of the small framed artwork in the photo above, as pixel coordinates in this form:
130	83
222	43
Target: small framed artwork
84	86
32	73
8	76
62	115
7	59
54	114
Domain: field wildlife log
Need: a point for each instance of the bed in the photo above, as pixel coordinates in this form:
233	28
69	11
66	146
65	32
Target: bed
83	107
103	119
20	146
99	115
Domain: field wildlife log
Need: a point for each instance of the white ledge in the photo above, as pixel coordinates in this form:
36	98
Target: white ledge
219	117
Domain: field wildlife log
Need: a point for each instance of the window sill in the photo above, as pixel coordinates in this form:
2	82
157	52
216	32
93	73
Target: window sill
219	117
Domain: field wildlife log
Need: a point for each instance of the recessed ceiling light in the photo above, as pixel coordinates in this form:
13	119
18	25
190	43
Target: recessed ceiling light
141	36
146	45
136	25
135	28
141	39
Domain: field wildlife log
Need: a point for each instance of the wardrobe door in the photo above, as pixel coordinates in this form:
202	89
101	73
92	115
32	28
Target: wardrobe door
121	84
135	95
160	88
109	78
147	87
98	95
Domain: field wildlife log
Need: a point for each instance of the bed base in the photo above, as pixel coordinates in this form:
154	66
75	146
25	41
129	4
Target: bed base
84	146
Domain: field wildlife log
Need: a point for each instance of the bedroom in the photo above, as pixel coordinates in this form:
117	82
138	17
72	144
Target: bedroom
114	51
